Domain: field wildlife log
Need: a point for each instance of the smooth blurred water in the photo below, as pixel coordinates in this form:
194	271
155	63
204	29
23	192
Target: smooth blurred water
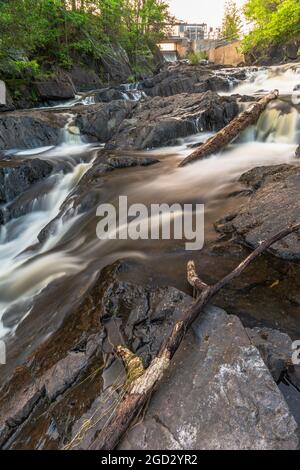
27	267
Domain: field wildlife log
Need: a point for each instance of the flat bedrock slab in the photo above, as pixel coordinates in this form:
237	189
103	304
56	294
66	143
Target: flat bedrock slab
218	394
273	205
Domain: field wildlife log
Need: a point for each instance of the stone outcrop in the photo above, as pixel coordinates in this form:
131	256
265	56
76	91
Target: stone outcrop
101	121
157	121
116	65
85	78
190	79
16	177
58	88
218	393
30	129
273	205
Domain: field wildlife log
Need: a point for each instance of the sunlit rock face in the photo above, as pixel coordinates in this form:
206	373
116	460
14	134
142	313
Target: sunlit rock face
218	394
273	205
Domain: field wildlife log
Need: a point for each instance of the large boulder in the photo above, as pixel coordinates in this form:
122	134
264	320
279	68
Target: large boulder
58	88
160	121
85	78
218	394
17	177
116	65
273	205
30	129
101	121
275	348
184	78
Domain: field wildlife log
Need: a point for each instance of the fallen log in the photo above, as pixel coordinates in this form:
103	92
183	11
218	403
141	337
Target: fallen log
232	130
142	387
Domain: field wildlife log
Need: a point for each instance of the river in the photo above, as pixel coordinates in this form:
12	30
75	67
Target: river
41	283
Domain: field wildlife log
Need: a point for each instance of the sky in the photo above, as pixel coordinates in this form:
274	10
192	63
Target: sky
200	11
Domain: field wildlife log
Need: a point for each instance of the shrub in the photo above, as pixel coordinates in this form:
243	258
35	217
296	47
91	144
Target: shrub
195	57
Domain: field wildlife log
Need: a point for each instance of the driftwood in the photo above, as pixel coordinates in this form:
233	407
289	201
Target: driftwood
232	130
142	387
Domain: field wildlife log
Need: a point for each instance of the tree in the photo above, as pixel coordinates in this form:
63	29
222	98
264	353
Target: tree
232	23
55	32
272	21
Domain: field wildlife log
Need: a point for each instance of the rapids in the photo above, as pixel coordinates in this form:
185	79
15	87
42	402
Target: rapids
39	282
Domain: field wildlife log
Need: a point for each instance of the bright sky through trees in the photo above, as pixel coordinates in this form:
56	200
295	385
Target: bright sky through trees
200	11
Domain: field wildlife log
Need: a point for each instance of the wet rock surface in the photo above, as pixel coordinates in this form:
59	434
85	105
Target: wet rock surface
160	121
273	206
182	78
17	177
101	121
218	393
30	129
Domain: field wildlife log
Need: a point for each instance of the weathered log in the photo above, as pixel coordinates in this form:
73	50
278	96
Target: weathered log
232	130
142	388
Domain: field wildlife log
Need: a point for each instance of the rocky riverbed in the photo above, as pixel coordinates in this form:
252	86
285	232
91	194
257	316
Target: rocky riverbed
67	299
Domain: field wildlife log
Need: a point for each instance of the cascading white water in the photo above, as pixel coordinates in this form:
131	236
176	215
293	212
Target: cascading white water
23	271
26	269
282	78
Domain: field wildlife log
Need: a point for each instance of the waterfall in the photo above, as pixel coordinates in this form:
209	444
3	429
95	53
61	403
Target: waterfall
283	78
277	126
71	133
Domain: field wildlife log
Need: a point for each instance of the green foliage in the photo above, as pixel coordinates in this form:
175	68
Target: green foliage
232	23
273	22
196	57
54	32
298	53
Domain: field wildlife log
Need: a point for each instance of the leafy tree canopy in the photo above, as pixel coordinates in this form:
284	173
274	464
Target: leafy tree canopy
272	21
49	32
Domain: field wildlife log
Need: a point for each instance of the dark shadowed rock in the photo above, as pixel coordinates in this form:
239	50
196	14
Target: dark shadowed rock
183	78
101	121
273	205
275	348
218	394
17	177
60	87
30	129
298	152
108	94
85	78
160	121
